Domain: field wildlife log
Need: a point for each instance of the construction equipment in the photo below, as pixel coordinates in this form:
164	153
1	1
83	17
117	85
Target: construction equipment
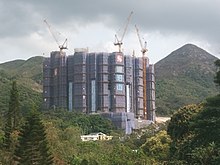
118	42
143	47
144	59
61	46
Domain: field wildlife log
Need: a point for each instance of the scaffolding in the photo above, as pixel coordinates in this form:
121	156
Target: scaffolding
100	83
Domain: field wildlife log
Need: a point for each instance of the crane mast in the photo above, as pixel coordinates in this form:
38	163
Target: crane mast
118	42
144	60
61	46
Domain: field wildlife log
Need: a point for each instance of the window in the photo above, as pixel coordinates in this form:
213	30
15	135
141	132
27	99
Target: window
119	87
119	69
119	77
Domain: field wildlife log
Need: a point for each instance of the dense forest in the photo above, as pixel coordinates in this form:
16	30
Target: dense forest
32	136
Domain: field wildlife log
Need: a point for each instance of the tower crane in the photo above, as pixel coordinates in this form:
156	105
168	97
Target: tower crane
61	46
118	42
144	59
143	47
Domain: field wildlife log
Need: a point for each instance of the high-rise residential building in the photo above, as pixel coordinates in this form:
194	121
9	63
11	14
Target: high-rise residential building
55	80
107	83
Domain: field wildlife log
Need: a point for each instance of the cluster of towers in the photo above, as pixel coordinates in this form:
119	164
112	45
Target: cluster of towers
99	83
117	86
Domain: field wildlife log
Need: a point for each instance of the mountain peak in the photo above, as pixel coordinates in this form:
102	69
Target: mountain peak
189	61
189	45
191	51
184	77
188	55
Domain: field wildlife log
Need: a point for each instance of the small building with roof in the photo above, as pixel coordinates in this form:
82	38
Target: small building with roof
96	136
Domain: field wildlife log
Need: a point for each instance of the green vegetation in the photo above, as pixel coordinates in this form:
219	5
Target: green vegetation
180	131
28	75
184	77
20	69
32	147
217	77
177	92
192	136
61	141
13	118
88	123
157	146
195	133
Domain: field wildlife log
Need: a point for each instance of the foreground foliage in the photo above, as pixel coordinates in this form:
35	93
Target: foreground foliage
181	144
192	137
13	118
217	77
88	123
32	147
157	146
195	133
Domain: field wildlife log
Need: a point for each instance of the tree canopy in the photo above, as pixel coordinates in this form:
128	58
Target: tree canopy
217	77
13	117
33	147
195	133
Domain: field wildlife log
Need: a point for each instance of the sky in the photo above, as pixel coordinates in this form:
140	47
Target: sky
165	25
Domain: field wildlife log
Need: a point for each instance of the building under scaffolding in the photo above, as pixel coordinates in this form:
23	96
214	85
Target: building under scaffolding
107	83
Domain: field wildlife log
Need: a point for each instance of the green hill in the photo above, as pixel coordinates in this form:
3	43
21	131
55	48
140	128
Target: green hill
28	75
184	77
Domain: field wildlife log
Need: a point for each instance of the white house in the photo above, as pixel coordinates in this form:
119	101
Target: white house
95	137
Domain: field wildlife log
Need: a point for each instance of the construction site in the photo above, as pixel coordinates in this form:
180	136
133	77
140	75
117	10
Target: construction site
118	86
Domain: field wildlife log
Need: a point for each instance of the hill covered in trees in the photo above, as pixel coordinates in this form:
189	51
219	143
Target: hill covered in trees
184	77
28	75
53	137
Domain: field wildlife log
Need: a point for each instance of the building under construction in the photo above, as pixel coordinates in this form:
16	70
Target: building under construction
111	84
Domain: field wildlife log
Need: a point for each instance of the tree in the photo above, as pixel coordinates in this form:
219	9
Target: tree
84	162
179	129
99	124
195	132
179	124
217	77
13	117
209	154
157	146
32	148
14	109
206	128
207	124
121	155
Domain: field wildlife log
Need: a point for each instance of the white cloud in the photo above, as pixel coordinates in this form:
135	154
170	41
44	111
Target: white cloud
166	25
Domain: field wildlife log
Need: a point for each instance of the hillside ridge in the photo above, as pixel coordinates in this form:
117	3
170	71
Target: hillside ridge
184	77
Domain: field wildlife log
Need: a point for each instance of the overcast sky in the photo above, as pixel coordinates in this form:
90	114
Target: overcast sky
165	24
